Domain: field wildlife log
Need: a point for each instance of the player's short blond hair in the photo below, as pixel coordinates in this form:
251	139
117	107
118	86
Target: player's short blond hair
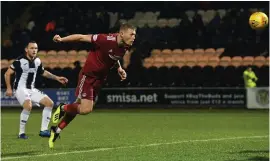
126	26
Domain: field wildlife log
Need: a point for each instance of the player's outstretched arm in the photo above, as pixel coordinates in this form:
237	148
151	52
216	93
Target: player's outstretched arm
49	75
8	74
72	38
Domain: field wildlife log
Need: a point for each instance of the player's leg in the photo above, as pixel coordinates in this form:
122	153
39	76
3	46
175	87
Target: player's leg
84	105
46	116
27	107
67	118
81	106
59	112
84	108
55	131
39	97
23	98
85	91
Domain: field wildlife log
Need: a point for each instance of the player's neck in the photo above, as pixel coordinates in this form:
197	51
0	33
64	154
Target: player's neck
119	41
28	57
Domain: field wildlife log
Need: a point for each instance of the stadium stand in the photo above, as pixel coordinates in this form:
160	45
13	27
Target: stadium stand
203	46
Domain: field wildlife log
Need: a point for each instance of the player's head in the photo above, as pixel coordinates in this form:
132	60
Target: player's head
127	33
31	49
249	68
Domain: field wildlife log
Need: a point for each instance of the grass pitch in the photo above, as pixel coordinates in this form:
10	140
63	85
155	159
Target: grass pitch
144	135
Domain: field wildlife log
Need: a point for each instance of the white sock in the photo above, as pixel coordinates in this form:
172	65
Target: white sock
23	119
58	130
46	117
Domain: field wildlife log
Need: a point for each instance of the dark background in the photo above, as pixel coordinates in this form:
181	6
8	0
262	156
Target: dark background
231	32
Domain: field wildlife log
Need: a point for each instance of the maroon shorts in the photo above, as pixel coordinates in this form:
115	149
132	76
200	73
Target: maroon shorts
88	87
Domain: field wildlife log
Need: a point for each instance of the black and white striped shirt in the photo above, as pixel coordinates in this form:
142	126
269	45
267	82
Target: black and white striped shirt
26	71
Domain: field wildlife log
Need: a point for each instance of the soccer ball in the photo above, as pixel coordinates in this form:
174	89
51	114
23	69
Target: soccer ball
258	20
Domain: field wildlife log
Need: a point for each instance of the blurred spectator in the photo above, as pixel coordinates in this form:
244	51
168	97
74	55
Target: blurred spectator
31	25
197	22
50	26
7	50
250	78
103	21
7	43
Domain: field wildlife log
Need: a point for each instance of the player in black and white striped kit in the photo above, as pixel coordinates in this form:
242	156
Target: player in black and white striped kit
26	69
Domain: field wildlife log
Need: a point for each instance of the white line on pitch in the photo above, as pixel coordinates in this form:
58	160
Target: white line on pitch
132	146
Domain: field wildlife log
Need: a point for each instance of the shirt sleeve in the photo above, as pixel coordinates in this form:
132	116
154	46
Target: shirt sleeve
245	73
98	39
40	69
15	65
254	76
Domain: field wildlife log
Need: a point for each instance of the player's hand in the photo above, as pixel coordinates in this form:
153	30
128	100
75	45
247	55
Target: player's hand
9	92
57	38
122	73
62	80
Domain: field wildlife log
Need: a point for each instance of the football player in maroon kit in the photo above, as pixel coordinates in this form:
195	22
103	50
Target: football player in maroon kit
108	50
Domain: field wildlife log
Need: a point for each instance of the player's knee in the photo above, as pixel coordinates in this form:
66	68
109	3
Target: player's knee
86	110
47	102
27	105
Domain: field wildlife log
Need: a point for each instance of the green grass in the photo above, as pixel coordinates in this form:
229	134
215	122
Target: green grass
144	135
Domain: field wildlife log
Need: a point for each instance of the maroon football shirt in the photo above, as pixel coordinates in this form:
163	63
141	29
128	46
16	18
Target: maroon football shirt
105	54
